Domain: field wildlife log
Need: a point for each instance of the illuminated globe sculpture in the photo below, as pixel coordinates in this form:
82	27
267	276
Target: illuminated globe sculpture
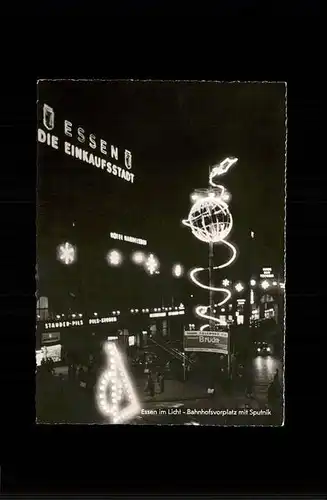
211	221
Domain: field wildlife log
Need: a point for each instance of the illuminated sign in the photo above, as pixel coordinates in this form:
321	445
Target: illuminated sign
267	273
175	313
98	150
269	313
157	315
97	321
240	319
64	324
206	341
80	322
112	337
131	340
115	387
129	239
50	337
53	352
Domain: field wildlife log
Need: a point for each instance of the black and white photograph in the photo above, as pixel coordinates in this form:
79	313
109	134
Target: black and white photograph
161	252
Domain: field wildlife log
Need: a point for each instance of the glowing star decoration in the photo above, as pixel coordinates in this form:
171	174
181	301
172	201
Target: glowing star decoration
239	287
66	253
152	264
114	258
265	285
210	221
115	396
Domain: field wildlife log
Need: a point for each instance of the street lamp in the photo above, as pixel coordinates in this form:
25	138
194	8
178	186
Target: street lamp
265	285
252	282
178	270
114	258
67	253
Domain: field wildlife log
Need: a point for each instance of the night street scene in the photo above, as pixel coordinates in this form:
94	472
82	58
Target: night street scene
160	253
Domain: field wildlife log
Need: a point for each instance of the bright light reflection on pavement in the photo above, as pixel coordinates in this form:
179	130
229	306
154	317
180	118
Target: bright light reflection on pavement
265	369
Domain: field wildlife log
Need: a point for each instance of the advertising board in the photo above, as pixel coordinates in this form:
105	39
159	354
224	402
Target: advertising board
206	341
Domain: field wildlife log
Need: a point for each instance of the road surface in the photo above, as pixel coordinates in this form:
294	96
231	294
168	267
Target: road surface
264	369
74	404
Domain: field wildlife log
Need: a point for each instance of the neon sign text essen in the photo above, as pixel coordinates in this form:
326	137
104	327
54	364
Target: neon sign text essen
91	141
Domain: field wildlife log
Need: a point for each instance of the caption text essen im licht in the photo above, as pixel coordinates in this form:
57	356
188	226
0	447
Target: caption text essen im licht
188	411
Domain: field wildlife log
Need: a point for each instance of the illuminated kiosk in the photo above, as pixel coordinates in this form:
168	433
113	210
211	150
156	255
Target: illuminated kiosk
210	221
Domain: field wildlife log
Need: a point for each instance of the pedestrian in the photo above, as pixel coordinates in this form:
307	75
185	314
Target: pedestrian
73	369
274	391
248	382
80	373
211	391
51	365
157	383
276	378
150	385
223	378
161	382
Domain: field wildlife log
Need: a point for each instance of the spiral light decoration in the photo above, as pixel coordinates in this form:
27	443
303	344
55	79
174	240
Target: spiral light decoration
210	221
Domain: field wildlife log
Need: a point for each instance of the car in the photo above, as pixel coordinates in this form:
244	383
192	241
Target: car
263	349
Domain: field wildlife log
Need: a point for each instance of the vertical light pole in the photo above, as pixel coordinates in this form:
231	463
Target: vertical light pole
211	255
211	302
210	221
249	271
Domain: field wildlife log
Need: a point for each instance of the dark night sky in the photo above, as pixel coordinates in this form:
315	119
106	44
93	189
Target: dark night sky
175	132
